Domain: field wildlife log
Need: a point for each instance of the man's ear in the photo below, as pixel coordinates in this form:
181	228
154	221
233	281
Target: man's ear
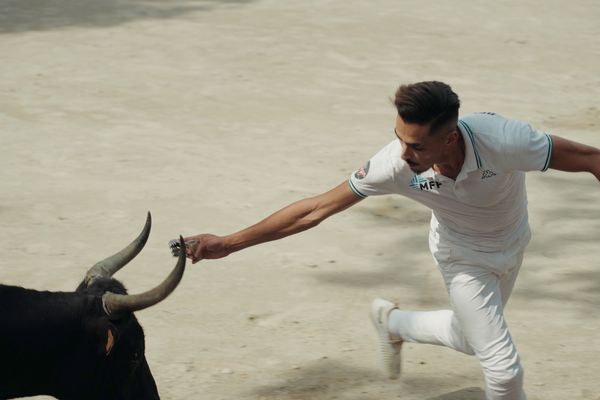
452	137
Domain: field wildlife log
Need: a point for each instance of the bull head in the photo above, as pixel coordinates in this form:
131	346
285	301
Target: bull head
127	374
114	303
85	344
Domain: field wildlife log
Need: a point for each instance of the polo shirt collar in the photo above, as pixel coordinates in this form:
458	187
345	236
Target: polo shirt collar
472	159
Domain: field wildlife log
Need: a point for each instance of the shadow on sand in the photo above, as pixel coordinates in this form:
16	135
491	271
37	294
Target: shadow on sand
329	379
320	379
42	15
472	393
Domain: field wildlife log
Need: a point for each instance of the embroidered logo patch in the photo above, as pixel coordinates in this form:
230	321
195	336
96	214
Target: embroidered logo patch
486	173
363	171
418	182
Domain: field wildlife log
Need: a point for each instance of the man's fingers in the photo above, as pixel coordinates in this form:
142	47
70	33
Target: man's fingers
195	259
196	252
192	254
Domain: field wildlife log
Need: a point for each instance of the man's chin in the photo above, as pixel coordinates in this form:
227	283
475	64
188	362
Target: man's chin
417	170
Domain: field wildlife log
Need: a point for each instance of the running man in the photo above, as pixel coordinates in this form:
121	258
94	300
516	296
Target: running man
471	173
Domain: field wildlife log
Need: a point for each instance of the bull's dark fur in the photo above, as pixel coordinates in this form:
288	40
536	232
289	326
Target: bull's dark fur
54	343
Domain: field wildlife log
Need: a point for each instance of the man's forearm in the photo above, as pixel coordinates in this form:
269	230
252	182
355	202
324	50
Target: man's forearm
296	217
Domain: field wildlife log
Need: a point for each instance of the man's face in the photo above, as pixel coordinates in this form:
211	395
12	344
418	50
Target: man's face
420	150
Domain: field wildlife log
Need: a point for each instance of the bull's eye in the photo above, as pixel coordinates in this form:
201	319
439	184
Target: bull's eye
135	359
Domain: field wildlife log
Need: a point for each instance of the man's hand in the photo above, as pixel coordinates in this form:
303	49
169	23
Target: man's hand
206	246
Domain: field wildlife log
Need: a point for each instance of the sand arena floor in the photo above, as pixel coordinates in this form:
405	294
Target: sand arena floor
212	114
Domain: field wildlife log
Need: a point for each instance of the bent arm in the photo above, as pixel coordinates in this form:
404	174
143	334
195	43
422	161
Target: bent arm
571	156
294	218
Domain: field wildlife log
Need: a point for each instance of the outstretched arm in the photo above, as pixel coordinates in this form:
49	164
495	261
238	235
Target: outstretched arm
574	157
294	218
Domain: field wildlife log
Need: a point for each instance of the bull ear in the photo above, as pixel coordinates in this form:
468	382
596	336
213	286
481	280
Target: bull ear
110	340
102	335
106	335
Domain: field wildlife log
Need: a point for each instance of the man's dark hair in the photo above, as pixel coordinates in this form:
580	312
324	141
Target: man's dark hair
430	102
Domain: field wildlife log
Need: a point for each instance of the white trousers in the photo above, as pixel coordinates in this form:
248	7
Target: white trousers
479	285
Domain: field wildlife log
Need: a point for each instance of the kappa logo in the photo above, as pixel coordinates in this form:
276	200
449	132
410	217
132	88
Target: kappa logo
418	182
487	173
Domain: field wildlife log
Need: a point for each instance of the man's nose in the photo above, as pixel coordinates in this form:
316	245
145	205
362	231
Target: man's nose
405	153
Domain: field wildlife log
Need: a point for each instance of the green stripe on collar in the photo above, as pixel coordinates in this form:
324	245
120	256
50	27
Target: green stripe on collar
471	138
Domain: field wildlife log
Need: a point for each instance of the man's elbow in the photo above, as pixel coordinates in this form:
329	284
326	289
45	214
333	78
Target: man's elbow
316	216
312	220
596	172
594	167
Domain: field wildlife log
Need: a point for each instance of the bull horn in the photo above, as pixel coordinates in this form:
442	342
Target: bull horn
107	267
114	303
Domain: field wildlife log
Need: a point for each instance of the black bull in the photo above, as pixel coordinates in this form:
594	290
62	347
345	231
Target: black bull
85	344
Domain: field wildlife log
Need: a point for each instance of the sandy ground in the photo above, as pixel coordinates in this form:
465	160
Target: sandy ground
212	114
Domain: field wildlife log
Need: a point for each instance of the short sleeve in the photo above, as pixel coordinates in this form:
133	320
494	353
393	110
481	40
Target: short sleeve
516	146
526	149
378	175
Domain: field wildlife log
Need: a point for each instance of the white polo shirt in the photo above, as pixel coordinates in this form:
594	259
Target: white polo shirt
485	208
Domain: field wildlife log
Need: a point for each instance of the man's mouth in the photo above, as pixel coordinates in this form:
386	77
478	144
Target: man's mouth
414	167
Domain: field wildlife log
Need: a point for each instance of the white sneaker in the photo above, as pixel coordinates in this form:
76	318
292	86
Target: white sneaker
389	345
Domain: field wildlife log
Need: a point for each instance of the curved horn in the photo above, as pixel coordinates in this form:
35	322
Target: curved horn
114	303
107	267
